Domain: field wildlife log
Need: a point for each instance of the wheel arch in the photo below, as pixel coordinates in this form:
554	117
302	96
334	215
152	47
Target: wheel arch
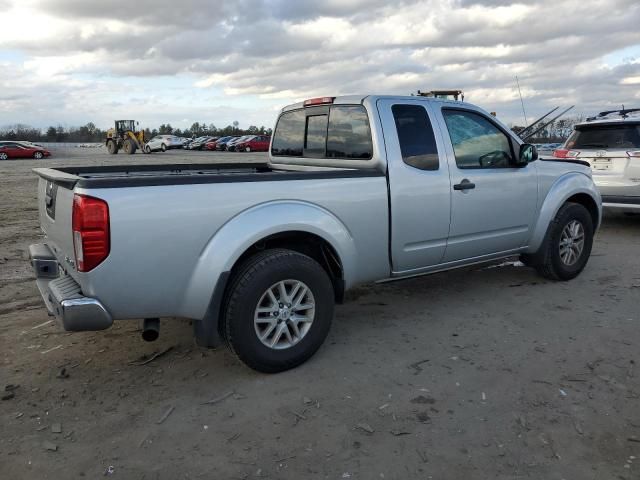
571	187
300	226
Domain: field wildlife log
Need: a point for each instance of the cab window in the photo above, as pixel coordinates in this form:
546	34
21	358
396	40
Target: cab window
477	142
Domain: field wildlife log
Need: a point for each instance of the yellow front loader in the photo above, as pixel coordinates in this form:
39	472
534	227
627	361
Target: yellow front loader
124	136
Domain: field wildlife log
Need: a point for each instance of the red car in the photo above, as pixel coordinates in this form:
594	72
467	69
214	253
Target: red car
259	143
211	145
22	150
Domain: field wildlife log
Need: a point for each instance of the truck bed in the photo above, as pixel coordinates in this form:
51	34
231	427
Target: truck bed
118	176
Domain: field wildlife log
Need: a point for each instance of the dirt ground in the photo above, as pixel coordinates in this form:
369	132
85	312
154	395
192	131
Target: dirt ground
474	374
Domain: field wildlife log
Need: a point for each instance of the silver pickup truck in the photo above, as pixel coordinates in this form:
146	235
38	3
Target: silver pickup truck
357	189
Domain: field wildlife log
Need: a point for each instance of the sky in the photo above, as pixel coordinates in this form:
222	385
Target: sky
69	62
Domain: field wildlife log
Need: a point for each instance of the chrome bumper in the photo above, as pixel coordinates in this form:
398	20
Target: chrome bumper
63	296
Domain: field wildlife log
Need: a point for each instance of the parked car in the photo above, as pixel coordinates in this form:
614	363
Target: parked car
26	143
163	143
10	150
610	143
231	145
198	143
357	189
222	144
259	143
211	144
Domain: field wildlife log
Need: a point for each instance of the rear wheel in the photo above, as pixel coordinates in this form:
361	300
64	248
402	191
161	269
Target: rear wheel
278	310
567	245
112	147
163	147
3	156
248	149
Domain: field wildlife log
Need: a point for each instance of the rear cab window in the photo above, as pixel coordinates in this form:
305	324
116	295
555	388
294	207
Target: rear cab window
333	132
416	137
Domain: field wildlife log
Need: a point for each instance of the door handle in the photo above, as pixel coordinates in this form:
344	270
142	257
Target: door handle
464	185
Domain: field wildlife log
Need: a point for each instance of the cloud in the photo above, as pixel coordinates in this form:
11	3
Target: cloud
251	55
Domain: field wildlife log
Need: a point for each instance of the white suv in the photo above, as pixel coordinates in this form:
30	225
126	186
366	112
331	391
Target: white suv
610	142
163	143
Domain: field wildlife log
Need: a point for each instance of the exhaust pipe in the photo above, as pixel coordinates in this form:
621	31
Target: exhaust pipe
151	329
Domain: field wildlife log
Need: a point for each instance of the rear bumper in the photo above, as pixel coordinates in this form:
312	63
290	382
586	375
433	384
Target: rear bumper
63	296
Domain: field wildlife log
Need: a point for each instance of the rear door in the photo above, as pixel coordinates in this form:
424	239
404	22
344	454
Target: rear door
493	203
419	185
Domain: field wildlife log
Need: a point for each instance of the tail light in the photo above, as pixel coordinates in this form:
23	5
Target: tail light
565	153
90	225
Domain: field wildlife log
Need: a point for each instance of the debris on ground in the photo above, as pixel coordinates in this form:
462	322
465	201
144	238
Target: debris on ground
166	415
417	366
109	470
63	373
213	401
144	360
52	447
365	427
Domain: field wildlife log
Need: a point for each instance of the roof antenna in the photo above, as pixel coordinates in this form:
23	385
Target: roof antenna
521	101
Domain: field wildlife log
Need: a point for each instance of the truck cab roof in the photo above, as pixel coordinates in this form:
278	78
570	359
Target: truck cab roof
359	99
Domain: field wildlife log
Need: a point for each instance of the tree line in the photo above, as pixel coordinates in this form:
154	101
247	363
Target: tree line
556	132
89	133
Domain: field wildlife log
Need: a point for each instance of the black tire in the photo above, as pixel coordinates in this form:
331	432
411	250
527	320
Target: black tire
548	262
147	149
247	286
129	147
4	156
112	147
247	149
38	155
163	147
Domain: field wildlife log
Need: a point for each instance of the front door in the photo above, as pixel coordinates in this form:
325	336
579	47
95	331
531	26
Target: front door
419	190
493	203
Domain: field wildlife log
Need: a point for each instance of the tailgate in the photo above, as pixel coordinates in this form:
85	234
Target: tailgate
55	203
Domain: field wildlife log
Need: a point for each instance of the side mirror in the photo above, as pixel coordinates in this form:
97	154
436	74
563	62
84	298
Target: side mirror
528	153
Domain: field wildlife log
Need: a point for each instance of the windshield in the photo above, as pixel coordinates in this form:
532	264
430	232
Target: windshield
605	136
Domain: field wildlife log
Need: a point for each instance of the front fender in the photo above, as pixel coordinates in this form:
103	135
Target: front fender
564	188
250	226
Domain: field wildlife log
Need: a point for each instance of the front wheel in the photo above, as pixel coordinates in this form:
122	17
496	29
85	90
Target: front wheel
567	245
163	147
278	310
129	147
37	155
248	149
147	149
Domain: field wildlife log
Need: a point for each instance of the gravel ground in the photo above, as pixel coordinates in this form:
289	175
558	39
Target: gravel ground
481	373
